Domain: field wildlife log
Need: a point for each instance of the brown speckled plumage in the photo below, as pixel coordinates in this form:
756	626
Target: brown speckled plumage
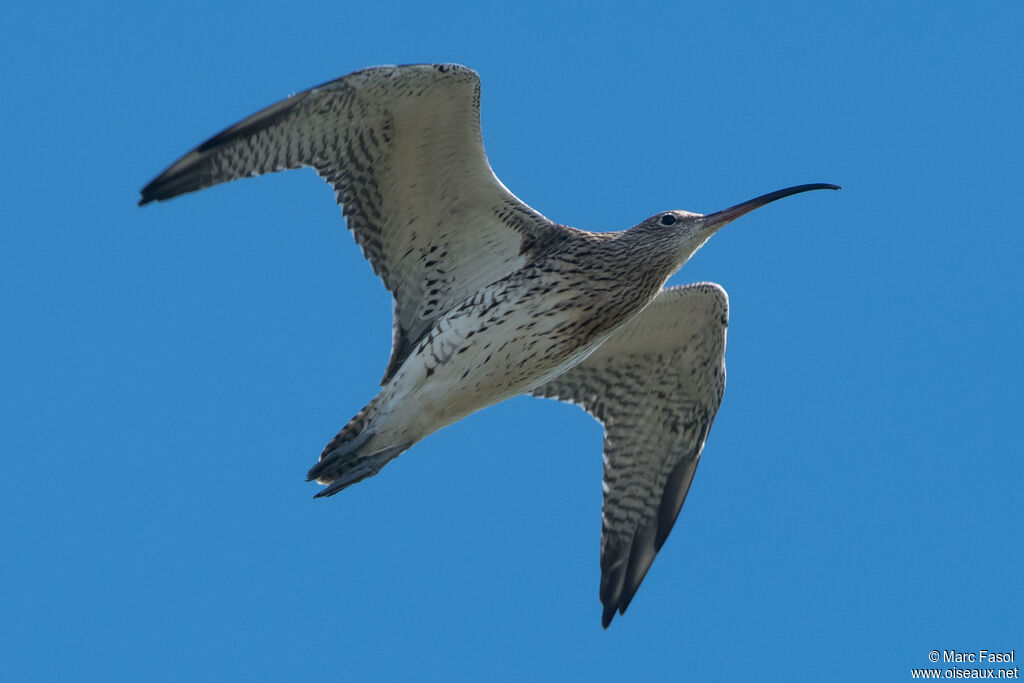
491	299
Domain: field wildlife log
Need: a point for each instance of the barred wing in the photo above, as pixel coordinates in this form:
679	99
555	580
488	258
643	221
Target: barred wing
401	145
656	385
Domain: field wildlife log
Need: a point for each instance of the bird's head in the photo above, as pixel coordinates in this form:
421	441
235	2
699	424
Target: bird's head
687	232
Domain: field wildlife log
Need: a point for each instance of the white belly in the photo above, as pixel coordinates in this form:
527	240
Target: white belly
506	343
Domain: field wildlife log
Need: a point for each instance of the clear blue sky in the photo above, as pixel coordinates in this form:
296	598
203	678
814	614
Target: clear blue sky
169	373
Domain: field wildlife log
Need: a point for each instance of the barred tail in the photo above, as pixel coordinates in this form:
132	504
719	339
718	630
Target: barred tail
346	460
352	430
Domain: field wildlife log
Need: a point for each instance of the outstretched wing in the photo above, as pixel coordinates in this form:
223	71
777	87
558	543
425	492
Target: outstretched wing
401	145
656	385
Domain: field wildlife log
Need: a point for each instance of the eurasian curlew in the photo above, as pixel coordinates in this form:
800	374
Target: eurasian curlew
492	299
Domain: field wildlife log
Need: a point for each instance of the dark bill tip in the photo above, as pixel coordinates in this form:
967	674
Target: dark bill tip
720	218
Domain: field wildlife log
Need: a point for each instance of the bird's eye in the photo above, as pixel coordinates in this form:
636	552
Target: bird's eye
668	219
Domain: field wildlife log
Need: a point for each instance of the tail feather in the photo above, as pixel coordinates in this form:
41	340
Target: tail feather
336	456
355	427
351	438
353	455
355	468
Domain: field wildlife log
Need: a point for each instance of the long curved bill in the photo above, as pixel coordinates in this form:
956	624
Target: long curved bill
714	221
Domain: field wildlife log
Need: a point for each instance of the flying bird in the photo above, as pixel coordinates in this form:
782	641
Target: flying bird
492	299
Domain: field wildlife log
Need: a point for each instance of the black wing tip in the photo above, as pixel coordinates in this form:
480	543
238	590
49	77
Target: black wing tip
155	192
607	616
609	612
147	195
180	178
612	594
192	172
